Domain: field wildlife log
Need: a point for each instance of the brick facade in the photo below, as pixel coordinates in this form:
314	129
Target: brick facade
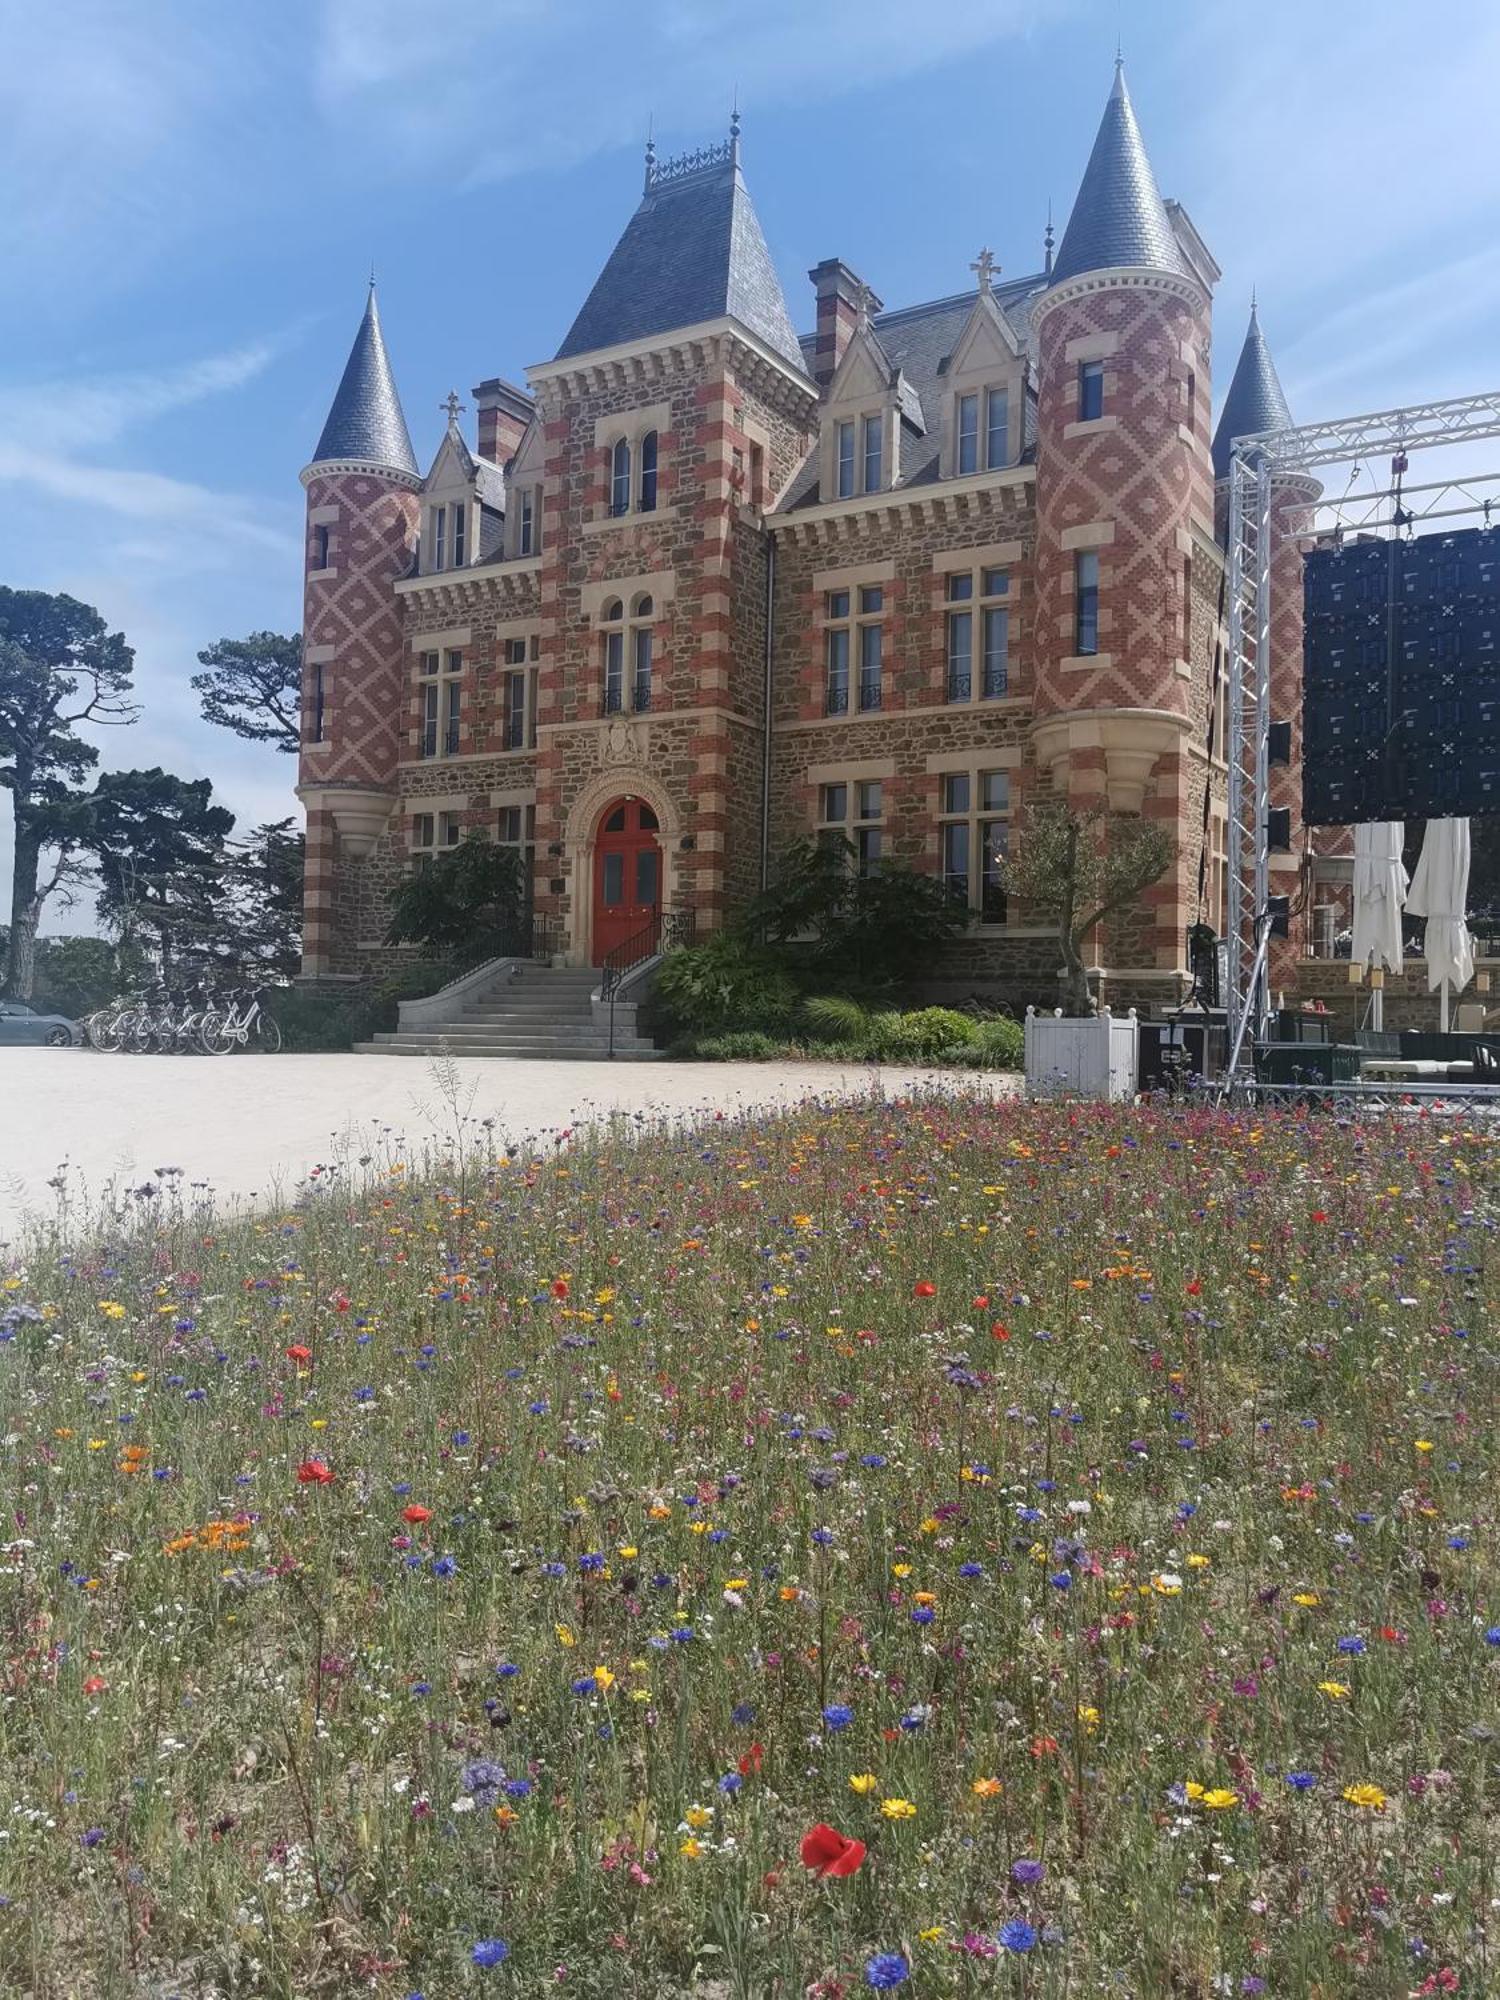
747	557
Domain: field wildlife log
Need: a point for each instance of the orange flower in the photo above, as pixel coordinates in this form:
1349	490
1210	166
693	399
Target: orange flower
301	1355
416	1514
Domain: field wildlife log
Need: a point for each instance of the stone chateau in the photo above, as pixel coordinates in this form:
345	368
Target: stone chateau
707	586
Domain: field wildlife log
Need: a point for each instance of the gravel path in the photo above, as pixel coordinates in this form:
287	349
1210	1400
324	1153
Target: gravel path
250	1129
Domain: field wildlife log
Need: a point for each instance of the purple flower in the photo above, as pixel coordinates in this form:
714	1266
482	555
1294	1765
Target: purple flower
1027	1871
1017	1936
490	1951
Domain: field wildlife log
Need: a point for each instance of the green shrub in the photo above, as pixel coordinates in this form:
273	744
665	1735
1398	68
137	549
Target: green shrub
1000	1043
927	1035
723	984
834	1017
745	1045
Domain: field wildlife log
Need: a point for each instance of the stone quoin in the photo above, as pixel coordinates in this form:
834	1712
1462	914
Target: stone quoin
705	587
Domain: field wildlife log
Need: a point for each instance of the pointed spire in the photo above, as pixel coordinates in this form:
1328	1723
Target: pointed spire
1256	401
366	422
1119	217
1047	240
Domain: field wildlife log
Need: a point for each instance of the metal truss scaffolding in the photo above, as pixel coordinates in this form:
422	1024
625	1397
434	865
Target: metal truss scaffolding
1255	464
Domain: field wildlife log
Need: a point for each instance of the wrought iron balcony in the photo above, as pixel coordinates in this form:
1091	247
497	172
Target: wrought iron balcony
838	698
869	692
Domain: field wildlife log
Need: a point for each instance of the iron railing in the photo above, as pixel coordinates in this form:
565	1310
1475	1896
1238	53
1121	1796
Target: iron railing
668	930
838	698
869	691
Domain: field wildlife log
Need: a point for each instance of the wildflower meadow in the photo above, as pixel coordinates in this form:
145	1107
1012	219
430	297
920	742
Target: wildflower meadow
951	1547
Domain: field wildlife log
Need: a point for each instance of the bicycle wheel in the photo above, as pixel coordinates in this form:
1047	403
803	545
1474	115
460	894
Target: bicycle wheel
267	1036
104	1033
211	1036
140	1034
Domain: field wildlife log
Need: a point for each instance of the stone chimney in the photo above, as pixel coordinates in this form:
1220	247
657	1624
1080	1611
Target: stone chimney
839	293
504	412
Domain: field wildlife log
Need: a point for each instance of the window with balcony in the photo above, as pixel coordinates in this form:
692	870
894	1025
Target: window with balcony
973	834
854	635
440	677
627	646
978	611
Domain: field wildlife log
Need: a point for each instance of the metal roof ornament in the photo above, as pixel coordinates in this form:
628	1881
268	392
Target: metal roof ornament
453	406
986	267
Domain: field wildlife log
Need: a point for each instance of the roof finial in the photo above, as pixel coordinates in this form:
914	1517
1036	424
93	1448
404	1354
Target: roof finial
734	125
372	274
452	405
650	149
1252	302
1047	240
984	264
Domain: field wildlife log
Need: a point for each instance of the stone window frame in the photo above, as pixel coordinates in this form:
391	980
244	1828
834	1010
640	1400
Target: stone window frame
849	611
981	378
317	694
974	766
629	430
322	540
440	689
439	556
855	824
520	656
428	830
627	625
977	605
1082	351
504	803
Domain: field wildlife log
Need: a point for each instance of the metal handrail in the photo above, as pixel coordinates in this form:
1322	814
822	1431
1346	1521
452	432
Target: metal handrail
668	930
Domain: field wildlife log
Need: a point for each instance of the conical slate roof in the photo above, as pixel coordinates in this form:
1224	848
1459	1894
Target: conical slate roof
1255	401
366	422
1119	217
693	251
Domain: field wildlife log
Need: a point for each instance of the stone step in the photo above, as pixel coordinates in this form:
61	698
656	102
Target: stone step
463	1038
417	1046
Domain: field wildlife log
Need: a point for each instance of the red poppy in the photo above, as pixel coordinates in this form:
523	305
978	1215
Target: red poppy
752	1760
416	1514
301	1355
1194	1288
1320	1215
827	1852
559	1288
340	1302
982	1302
924	1289
95	1684
999	1332
313	1472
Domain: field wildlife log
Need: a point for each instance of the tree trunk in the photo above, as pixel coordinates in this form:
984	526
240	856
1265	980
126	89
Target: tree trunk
25	911
1078	1002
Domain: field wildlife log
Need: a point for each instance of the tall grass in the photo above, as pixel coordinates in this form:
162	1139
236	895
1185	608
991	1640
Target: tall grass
1090	1512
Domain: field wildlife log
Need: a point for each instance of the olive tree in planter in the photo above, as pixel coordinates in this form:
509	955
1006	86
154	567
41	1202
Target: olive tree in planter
1077	868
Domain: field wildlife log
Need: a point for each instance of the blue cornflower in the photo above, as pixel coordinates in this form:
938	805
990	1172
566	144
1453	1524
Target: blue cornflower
1028	1514
971	1569
822	1536
445	1566
730	1782
1492	1635
490	1951
1060	1580
92	1838
590	1563
537	1409
421	1687
1301	1781
682	1634
554	1569
887	1969
461	1438
518	1788
923	1615
585	1684
1017	1935
364	1394
837	1716
506	1669
1352	1644
743	1712
875	1460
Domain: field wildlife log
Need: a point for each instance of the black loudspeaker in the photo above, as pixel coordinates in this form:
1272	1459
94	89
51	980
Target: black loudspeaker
1279	829
1280	910
1279	749
1401	679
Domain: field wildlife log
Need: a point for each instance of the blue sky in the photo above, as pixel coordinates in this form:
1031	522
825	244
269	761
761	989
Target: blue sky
194	195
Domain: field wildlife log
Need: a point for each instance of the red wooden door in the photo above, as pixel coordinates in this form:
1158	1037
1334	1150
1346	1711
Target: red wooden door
627	875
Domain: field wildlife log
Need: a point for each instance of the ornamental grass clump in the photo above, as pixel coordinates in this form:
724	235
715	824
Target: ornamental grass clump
950	1546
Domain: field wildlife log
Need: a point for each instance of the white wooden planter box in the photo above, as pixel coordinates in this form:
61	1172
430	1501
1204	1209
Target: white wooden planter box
1069	1057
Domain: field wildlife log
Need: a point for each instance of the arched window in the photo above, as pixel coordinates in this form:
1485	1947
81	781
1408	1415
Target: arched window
627	642
619	477
648	473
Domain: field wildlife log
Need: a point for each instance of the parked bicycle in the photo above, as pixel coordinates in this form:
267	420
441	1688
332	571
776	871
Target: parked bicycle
239	1023
194	1020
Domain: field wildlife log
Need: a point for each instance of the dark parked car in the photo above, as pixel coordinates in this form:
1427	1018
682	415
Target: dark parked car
20	1025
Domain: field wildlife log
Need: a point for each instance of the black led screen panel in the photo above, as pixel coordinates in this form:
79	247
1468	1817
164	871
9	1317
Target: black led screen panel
1401	679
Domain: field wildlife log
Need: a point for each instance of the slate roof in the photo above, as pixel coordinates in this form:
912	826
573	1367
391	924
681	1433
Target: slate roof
1256	401
693	251
366	421
919	340
1119	217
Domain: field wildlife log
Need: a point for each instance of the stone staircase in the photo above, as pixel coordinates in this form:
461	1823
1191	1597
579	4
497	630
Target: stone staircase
526	1012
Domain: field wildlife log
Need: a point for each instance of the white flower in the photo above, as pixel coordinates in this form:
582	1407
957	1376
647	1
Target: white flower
462	1805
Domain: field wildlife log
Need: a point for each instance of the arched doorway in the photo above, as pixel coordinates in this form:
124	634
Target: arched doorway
627	874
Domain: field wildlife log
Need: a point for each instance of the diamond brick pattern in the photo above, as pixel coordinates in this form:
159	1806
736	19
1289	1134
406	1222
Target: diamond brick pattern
356	612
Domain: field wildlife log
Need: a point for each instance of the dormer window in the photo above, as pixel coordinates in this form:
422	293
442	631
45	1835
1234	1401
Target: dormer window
460	535
619	477
968	433
844	454
648	473
872	454
997	428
